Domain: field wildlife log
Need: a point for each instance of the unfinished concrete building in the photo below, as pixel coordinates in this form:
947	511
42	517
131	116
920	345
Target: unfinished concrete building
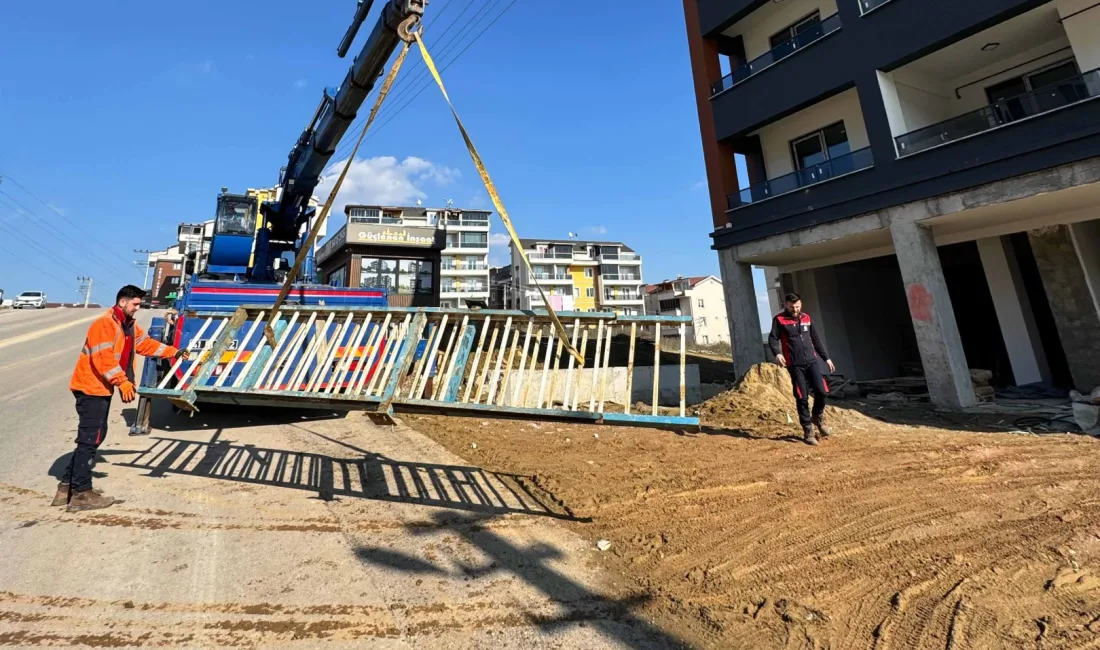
926	173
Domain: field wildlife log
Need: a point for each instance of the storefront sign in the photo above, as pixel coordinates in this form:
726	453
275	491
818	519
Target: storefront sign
396	236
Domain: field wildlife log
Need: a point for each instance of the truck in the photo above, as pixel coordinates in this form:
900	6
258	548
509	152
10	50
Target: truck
256	233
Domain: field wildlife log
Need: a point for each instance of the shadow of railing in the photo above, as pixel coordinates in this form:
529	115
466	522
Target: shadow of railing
619	619
371	476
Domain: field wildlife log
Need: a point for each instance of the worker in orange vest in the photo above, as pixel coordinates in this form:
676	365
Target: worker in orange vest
106	361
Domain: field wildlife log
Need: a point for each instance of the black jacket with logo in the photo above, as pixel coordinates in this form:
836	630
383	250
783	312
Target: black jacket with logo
795	338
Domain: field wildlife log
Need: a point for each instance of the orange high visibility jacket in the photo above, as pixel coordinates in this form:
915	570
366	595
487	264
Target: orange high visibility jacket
98	369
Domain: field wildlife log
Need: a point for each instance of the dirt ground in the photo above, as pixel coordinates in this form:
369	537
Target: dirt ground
885	536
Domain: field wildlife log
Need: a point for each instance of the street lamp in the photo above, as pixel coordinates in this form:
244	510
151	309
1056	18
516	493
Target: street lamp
148	263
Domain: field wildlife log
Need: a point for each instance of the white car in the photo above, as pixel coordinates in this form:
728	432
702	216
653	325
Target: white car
32	299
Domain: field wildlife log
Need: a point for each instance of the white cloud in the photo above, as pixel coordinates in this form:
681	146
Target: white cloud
477	201
386	181
207	67
300	84
698	185
499	253
597	230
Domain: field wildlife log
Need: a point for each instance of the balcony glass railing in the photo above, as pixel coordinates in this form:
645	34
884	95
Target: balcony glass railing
551	276
777	54
467	244
462	288
868	5
464	266
466	222
537	255
1006	111
625	277
622	296
853	162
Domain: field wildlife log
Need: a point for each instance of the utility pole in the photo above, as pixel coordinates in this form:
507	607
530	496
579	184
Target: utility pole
86	289
148	254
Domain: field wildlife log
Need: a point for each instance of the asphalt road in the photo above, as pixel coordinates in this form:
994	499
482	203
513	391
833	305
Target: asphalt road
272	529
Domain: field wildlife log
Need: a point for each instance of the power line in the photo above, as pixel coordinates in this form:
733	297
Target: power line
441	70
415	75
34	266
59	213
54	232
41	249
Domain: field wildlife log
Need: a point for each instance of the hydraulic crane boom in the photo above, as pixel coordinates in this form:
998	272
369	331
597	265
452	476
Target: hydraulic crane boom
283	218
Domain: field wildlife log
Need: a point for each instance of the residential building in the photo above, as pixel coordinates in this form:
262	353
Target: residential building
422	256
914	168
578	275
700	297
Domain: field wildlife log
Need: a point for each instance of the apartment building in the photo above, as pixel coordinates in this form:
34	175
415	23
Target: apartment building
700	297
425	257
924	172
578	276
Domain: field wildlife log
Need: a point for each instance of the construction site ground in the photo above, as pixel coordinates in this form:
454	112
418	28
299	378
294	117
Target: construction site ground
307	529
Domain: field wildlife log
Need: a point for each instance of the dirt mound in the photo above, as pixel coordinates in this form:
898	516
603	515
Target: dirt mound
761	400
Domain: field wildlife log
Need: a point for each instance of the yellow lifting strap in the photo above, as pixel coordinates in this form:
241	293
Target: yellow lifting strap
307	245
501	210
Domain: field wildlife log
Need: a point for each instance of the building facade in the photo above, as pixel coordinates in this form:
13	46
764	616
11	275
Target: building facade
578	276
700	297
914	168
424	257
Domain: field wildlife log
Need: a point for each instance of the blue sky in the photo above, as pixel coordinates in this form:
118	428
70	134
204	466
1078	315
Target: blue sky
125	118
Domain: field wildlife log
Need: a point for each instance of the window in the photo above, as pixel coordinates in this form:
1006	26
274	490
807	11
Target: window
588	273
576	292
590	292
790	31
706	339
671	304
700	322
1032	81
336	277
173	281
236	217
474	240
176	267
700	303
815	148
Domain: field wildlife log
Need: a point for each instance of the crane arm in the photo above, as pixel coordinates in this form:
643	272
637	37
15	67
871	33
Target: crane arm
317	144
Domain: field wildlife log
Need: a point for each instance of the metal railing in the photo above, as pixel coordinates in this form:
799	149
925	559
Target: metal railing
551	276
467	222
622	256
464	266
1066	93
377	220
536	255
620	277
622	296
867	5
778	53
839	166
462	288
449	361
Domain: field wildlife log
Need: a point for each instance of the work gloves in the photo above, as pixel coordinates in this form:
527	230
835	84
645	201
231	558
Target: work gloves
127	390
181	354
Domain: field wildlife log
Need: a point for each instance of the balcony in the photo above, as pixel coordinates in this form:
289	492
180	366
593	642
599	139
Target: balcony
546	278
775	55
467	223
858	160
455	289
867	6
624	278
621	297
1002	113
463	267
621	256
452	244
549	255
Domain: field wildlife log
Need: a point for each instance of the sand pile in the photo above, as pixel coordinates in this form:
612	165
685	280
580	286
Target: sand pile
763	399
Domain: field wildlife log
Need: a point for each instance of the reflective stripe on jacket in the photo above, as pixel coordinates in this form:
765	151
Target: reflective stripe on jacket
99	368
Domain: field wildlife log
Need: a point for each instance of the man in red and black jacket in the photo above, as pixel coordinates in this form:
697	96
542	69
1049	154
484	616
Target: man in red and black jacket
797	347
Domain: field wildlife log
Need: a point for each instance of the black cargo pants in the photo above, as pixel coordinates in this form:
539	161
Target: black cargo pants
91	430
806	379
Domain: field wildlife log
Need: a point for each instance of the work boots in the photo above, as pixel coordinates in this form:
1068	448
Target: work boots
89	500
809	437
819	422
61	498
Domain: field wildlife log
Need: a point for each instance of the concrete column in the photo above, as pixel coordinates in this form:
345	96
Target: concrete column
1075	313
1081	20
1086	240
941	349
746	338
1025	348
775	289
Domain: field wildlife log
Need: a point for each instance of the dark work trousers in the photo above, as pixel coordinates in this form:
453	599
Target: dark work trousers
91	430
805	379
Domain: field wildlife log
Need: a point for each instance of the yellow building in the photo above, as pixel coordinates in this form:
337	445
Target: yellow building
578	276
